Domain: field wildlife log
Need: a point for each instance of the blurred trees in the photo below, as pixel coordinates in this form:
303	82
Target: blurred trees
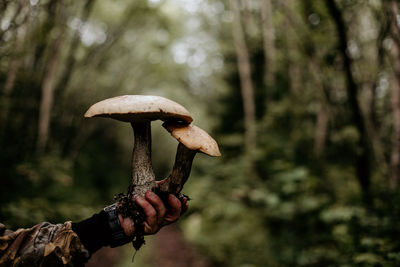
325	190
302	96
246	84
393	14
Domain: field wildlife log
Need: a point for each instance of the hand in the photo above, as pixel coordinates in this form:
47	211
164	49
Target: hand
157	214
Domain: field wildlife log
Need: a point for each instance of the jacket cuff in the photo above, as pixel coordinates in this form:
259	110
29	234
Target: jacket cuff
94	232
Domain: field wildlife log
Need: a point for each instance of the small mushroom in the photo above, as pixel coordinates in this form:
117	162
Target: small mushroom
191	139
140	110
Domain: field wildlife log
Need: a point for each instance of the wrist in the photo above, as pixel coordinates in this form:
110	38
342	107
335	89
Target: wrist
118	235
88	231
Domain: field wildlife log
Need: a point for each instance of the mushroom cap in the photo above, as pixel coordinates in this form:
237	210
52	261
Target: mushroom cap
139	108
193	138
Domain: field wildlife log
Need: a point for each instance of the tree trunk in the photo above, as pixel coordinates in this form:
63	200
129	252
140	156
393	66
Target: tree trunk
46	102
44	35
268	42
373	133
70	62
290	49
246	84
395	99
321	127
363	151
250	26
294	70
12	77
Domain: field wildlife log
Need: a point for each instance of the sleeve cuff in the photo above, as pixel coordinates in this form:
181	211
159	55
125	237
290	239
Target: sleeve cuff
94	232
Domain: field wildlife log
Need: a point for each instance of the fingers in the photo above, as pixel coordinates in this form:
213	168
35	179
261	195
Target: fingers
157	204
184	205
157	215
150	225
174	211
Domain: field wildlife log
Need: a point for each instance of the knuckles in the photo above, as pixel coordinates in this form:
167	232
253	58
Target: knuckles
157	213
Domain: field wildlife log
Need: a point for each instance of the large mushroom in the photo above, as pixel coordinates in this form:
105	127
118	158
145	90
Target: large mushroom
139	111
191	139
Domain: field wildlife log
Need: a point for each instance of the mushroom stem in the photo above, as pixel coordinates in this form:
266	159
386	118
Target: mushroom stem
143	177
181	170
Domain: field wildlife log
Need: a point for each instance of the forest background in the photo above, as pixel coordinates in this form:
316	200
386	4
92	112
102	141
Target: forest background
302	96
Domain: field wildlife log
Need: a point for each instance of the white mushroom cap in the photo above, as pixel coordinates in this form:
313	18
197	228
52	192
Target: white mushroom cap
139	108
193	138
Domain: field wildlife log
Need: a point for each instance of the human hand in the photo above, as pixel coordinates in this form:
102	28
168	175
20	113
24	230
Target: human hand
156	212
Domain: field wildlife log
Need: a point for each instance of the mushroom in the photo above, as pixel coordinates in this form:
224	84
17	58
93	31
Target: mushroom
140	110
191	139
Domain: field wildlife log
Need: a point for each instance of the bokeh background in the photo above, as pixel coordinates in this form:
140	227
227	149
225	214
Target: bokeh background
303	97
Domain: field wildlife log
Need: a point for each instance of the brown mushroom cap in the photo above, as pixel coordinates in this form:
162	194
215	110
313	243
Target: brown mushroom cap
193	138
139	108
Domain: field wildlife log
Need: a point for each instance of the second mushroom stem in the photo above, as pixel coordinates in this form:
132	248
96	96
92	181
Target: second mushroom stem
181	170
143	177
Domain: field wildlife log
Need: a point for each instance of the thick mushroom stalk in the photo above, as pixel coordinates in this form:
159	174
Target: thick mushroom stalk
181	170
191	139
142	174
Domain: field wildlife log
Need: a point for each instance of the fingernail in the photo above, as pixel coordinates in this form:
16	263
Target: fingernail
150	194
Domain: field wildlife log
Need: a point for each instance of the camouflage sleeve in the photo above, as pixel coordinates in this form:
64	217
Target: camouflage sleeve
42	245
